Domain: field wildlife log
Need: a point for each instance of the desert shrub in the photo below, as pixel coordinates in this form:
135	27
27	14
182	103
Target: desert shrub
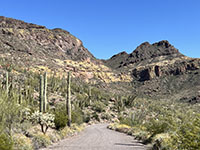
188	135
6	142
40	140
25	114
96	92
157	126
106	116
165	124
129	101
95	116
126	120
83	100
87	117
21	142
119	104
64	132
60	119
77	116
9	111
98	106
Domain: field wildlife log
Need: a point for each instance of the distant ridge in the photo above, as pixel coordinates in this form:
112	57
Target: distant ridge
143	52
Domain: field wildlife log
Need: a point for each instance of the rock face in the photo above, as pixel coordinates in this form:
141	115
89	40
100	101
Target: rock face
178	68
116	60
150	61
159	69
29	39
144	52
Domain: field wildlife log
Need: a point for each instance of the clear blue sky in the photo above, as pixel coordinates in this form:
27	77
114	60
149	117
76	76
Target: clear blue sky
107	27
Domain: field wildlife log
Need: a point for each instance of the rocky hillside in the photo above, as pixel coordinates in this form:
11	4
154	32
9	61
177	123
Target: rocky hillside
160	70
157	70
18	37
37	48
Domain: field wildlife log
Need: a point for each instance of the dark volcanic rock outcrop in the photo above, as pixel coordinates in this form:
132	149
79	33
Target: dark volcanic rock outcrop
148	61
159	69
144	52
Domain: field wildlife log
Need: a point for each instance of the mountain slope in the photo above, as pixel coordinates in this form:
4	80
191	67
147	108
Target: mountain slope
160	70
56	51
30	39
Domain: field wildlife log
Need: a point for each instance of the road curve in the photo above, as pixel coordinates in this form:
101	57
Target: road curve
98	137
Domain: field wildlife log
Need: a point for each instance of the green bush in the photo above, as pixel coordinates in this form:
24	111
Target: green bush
21	142
96	116
60	120
106	116
87	118
165	124
157	126
40	140
99	106
126	120
6	142
77	116
129	101
188	135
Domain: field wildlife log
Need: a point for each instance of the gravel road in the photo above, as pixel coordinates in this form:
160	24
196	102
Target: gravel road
98	137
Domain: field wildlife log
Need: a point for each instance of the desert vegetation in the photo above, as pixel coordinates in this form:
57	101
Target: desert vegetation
34	110
166	125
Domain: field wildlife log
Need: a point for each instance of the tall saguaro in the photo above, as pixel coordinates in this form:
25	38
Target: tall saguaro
20	95
89	94
7	85
45	93
69	99
41	93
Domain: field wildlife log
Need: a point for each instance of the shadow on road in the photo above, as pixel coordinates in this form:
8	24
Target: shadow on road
133	145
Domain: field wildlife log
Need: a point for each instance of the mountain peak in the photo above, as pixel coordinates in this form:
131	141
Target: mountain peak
144	44
121	54
161	48
163	43
146	51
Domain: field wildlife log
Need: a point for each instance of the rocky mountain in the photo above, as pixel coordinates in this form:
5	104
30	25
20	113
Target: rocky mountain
160	70
156	70
36	48
37	41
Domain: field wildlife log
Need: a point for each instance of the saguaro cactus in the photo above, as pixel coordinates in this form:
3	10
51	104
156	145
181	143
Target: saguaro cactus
41	93
45	93
69	99
20	95
89	94
89	91
7	86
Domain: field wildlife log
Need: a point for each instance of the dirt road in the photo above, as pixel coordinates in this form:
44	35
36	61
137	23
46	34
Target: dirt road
98	137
